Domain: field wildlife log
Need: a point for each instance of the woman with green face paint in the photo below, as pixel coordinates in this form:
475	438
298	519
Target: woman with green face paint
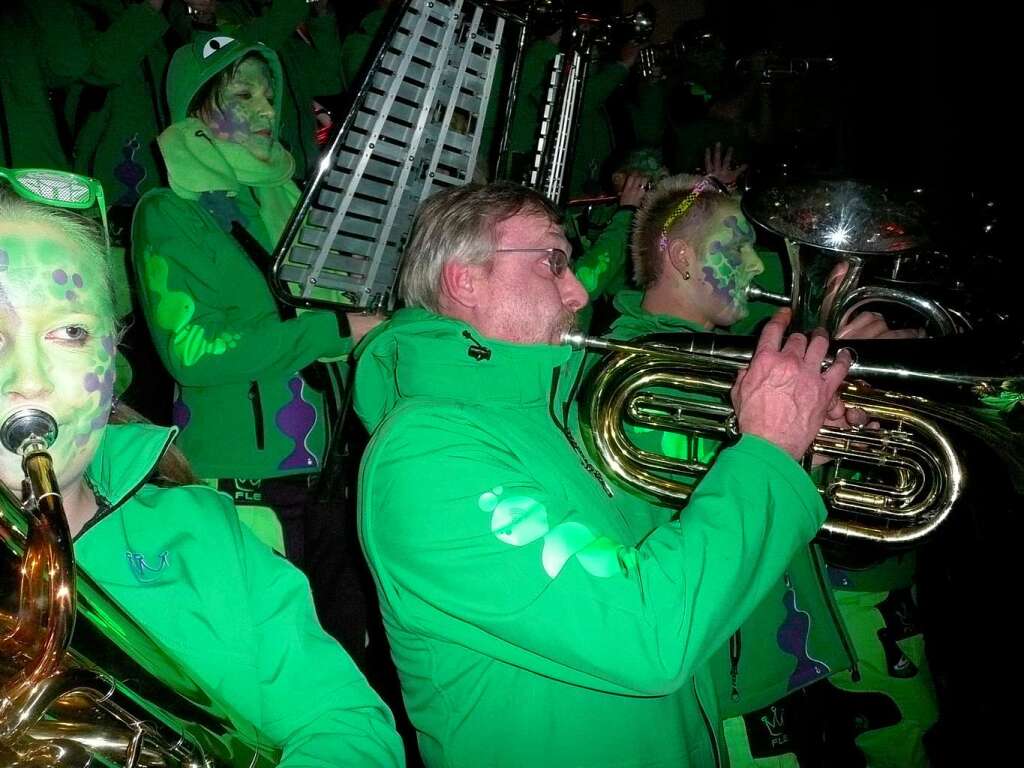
231	612
254	415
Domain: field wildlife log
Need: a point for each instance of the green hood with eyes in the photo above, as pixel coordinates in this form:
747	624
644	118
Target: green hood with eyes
210	53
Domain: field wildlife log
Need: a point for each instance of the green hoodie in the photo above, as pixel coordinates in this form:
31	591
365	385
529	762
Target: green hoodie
311	66
850	616
121	96
794	637
594	140
535	621
243	406
236	616
40	52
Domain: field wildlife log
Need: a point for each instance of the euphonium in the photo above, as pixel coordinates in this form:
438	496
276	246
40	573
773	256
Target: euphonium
892	485
116	697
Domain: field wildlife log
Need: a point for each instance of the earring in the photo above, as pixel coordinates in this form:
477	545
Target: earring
686	275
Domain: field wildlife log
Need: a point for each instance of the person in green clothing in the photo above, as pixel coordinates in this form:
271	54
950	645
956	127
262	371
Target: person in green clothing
358	44
594	141
305	38
119	107
39	58
532	620
254	415
234	615
694	257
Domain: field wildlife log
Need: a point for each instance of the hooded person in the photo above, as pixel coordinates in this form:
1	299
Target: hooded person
251	419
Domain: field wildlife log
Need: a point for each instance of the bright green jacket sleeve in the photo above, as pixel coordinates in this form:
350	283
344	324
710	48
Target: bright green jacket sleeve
210	312
602	268
314	701
534	577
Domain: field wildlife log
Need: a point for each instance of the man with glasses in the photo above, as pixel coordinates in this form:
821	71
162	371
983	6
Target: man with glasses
536	616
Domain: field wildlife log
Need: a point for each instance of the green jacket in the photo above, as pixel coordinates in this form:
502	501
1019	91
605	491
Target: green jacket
594	141
236	616
533	621
121	97
40	52
795	636
358	45
601	268
243	406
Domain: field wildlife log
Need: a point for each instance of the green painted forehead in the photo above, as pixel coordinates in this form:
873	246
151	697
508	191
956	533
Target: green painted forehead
39	266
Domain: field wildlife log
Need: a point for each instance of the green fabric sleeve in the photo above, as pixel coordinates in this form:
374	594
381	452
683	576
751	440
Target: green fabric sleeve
321	64
483	554
201	327
60	50
603	264
601	83
115	54
357	44
274	25
315	702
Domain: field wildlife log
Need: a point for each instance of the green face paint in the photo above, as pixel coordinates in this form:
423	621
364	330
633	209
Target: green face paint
728	264
246	113
56	344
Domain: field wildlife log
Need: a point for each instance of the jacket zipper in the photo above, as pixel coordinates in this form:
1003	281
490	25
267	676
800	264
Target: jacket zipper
707	725
564	429
735	649
257	413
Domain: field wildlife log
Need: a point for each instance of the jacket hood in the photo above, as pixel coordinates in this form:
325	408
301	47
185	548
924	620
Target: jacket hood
418	354
209	54
126	456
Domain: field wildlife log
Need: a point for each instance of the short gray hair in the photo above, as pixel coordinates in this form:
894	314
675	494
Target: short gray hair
458	224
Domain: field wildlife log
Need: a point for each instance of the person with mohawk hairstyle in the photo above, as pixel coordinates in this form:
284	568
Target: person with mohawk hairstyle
694	259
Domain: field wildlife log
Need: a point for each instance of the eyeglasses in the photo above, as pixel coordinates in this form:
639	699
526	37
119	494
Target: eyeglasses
557	260
58	188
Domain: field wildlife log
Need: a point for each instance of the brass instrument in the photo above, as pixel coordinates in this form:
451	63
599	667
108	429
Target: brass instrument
890	486
72	706
845	242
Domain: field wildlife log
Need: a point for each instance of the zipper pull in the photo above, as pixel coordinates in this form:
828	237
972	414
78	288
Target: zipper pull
476	350
735	647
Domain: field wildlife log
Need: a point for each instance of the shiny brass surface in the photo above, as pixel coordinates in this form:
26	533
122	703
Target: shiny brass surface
80	680
893	485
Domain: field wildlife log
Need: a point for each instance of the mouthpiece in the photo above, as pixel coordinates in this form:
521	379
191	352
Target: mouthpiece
27	428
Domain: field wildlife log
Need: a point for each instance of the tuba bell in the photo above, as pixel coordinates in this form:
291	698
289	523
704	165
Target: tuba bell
114	697
889	486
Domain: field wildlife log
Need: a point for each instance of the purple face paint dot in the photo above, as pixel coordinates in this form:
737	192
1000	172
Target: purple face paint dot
92	382
5	260
71	296
77	280
108	345
60	276
81	440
